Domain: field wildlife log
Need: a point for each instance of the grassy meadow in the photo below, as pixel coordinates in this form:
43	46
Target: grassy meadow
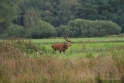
82	46
88	60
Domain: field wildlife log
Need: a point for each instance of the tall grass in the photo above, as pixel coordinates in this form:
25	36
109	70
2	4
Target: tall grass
16	66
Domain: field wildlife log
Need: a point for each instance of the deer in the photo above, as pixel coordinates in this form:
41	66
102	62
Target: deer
62	46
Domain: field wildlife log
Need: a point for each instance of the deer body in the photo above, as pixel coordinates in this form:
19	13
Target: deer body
61	46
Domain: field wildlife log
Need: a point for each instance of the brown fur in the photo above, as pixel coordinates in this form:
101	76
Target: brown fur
61	46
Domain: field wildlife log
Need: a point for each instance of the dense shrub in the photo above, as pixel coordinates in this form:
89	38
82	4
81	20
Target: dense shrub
89	28
105	27
13	46
62	30
42	30
15	30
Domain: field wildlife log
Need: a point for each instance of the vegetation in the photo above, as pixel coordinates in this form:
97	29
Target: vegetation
8	12
24	61
88	28
88	60
41	29
81	18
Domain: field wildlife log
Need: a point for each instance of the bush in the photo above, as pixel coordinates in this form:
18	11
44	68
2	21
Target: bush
42	30
15	30
62	30
89	28
17	47
105	27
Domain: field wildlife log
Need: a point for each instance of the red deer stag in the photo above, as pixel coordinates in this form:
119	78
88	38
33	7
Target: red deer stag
62	46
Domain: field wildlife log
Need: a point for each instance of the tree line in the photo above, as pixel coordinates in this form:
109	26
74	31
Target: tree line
49	18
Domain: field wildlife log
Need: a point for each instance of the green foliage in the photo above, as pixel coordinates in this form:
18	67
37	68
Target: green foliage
15	30
59	12
89	55
43	49
8	12
41	30
31	17
66	11
56	12
62	30
89	28
103	28
10	48
101	10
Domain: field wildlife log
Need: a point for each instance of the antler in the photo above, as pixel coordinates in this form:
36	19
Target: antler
66	38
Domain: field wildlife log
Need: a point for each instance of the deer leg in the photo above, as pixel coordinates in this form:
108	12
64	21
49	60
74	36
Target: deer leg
64	51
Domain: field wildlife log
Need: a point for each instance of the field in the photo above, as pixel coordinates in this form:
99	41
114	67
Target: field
82	46
88	60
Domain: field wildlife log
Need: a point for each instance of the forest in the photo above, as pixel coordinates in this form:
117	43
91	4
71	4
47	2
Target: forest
54	18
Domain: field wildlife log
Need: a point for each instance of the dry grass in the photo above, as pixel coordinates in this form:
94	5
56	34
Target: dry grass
16	67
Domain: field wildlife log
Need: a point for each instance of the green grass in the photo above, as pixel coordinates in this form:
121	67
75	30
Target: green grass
75	40
82	46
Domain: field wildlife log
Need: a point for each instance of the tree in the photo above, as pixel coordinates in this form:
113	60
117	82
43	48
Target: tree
112	10
8	12
31	17
66	11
